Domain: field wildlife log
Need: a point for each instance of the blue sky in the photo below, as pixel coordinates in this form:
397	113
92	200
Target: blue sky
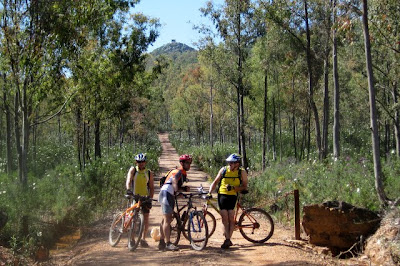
176	17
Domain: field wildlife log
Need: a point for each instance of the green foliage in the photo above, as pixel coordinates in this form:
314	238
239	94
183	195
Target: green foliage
64	196
207	158
350	179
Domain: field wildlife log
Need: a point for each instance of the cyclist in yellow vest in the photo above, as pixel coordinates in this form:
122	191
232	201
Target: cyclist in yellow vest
231	179
140	181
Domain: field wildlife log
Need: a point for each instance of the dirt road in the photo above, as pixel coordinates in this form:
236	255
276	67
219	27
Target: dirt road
93	247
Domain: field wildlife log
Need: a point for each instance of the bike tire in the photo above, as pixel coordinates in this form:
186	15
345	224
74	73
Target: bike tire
256	225
175	229
184	230
197	230
211	222
116	229
135	230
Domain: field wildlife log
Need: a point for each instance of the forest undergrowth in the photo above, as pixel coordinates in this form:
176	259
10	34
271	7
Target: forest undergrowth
349	179
61	197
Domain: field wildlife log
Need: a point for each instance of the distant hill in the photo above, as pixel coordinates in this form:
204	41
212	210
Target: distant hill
172	48
180	54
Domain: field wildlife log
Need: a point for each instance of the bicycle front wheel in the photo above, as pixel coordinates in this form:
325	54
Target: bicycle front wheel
211	222
175	229
116	230
256	225
135	230
197	230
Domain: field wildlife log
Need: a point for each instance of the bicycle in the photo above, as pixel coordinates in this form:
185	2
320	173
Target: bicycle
131	220
254	224
191	223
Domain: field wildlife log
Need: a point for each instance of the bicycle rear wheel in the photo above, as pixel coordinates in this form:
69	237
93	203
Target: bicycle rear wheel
135	230
256	225
197	230
116	229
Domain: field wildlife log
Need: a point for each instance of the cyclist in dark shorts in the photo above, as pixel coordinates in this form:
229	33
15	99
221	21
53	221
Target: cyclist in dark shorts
140	181
231	179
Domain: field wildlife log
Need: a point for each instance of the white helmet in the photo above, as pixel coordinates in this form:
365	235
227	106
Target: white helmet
141	157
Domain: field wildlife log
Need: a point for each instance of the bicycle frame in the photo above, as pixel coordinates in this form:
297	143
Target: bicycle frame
212	202
128	210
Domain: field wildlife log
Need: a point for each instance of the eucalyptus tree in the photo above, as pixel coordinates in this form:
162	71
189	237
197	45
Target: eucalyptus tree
336	88
372	101
40	39
236	26
385	27
114	65
301	22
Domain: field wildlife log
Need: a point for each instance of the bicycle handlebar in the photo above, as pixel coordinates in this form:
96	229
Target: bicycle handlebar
190	194
138	197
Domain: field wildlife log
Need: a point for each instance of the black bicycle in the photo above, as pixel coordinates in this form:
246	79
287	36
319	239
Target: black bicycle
191	223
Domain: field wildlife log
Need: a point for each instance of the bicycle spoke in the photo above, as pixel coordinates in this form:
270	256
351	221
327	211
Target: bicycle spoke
136	230
116	230
198	230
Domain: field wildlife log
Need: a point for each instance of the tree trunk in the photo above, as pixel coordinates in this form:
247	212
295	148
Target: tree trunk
336	93
238	126
273	129
373	113
97	148
294	121
9	164
79	135
17	132
211	115
311	85
280	125
25	137
265	120
84	143
242	134
326	108
395	95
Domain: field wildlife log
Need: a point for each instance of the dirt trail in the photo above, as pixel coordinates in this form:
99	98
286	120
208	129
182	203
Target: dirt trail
93	248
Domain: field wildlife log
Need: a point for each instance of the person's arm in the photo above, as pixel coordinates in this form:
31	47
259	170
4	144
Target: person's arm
175	182
216	181
151	185
243	186
129	178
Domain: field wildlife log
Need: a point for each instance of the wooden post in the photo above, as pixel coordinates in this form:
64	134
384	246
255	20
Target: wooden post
296	214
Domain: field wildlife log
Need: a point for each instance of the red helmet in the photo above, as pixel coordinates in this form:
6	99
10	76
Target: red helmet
185	157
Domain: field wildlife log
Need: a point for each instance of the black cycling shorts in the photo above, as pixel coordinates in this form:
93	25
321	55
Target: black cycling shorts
226	202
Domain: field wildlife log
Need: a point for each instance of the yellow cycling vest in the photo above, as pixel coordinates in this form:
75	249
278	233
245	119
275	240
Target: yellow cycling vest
229	178
140	181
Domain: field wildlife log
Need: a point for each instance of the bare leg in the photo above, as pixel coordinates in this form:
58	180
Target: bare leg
146	225
231	217
225	222
167	226
162	236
